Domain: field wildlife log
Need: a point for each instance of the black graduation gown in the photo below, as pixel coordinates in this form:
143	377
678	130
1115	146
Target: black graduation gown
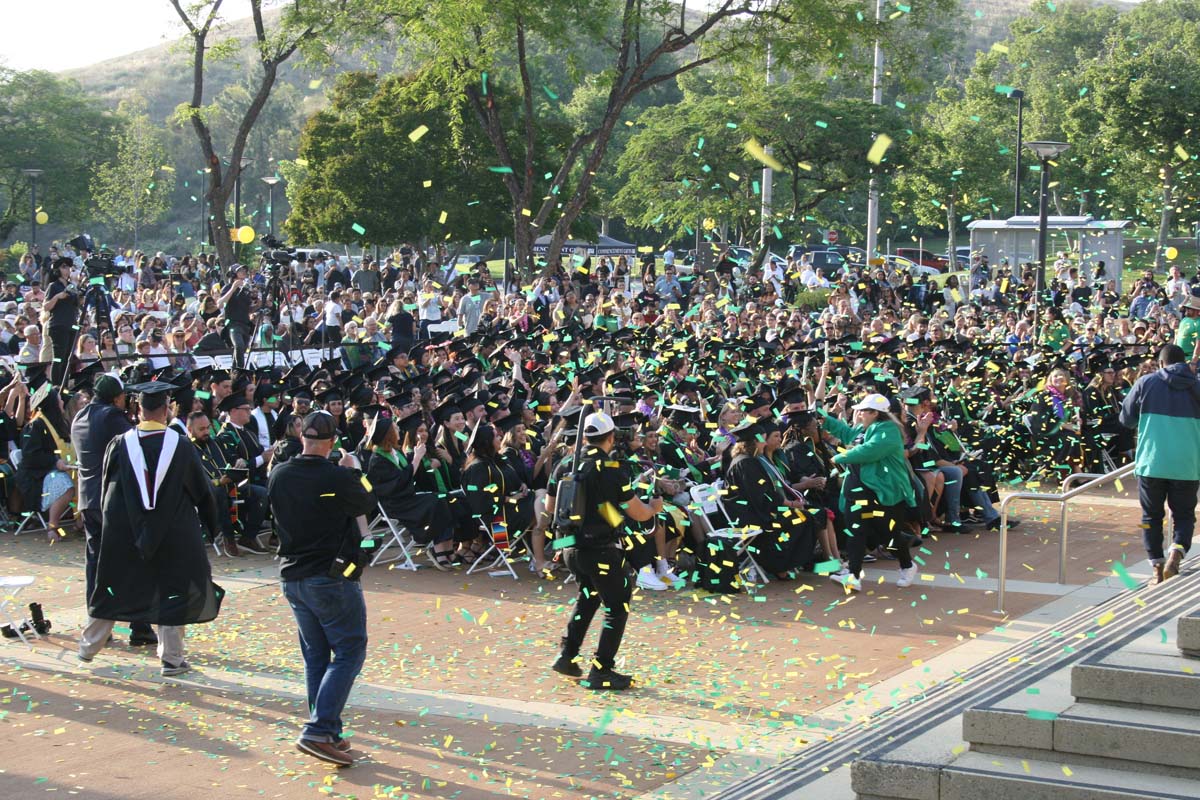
425	515
153	566
486	485
786	542
242	444
38	458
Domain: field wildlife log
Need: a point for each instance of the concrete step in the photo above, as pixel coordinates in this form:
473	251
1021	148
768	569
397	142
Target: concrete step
1134	739
980	776
1140	679
1187	634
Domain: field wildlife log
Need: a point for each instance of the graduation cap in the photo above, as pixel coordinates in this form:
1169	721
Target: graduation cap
506	424
153	394
264	392
411	423
472	402
217	375
231	402
446	409
791	397
757	401
683	415
82	380
329	395
747	431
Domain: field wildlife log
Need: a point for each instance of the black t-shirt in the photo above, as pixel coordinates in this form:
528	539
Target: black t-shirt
402	326
66	310
315	502
238	307
609	490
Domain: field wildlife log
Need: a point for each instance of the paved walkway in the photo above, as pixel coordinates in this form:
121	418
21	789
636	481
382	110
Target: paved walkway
456	699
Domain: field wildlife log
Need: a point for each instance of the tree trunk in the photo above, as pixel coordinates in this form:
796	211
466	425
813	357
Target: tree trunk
1164	224
523	246
604	226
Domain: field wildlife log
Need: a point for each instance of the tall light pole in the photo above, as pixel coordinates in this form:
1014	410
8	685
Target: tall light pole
1046	152
1019	96
270	181
33	175
873	186
237	192
767	178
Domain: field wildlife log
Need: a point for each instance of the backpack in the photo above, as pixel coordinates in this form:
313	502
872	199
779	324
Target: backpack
717	567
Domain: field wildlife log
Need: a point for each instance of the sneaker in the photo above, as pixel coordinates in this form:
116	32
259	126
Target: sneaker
326	751
567	666
994	525
905	577
343	745
82	659
169	669
646	579
848	580
229	547
1174	559
869	559
666	574
606	680
249	545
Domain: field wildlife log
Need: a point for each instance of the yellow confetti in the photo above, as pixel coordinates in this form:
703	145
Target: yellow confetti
879	148
418	132
1105	618
1183	154
442	218
760	153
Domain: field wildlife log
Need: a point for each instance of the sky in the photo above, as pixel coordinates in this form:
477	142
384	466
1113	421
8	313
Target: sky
44	34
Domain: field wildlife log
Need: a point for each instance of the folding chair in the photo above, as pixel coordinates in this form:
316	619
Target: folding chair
32	516
392	535
10	587
707	498
498	551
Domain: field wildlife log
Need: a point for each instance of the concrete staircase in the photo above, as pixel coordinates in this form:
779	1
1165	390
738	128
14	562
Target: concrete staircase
1123	724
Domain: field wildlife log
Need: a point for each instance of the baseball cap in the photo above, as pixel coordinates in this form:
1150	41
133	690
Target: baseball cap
598	424
108	388
873	402
319	425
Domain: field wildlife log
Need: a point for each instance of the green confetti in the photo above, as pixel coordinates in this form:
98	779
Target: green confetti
605	721
549	93
505	170
821	124
1033	713
359	229
1127	580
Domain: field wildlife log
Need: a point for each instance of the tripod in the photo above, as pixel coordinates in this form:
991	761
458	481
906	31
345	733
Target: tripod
274	295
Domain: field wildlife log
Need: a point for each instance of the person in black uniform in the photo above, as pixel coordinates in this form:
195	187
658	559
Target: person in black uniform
392	477
97	424
62	301
241	449
236	303
597	560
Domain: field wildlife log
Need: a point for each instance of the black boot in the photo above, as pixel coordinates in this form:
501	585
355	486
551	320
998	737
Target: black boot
567	663
142	636
601	680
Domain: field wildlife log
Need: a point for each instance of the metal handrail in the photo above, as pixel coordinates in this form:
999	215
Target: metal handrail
1061	497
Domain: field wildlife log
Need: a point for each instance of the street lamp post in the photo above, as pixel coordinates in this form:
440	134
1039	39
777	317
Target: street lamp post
33	175
1019	96
271	181
1046	152
237	193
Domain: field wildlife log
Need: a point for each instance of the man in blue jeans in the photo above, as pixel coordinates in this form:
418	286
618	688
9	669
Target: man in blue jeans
1165	408
315	503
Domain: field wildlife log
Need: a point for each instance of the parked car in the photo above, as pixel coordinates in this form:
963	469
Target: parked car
902	265
305	253
924	258
829	264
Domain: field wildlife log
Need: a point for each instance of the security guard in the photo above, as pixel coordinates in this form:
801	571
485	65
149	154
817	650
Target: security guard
597	560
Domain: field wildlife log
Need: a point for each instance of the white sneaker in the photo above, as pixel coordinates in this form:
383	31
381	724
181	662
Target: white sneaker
905	577
646	579
852	582
665	573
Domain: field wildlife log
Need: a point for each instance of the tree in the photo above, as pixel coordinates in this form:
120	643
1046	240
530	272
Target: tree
381	168
690	161
476	46
1145	90
48	124
134	189
309	27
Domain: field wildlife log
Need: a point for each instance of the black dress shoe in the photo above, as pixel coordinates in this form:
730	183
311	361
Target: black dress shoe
146	639
567	666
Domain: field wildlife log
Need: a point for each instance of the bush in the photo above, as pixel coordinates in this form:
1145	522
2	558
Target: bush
814	300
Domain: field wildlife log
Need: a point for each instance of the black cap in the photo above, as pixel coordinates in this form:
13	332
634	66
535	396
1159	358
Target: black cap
319	425
231	402
330	395
508	423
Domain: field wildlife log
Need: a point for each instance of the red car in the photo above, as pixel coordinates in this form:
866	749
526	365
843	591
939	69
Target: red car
924	258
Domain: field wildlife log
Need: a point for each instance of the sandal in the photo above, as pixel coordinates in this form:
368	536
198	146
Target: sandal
442	560
465	557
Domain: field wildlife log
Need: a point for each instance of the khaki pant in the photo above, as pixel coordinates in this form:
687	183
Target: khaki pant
96	632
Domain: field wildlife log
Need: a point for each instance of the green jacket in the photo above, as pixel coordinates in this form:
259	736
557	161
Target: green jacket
880	457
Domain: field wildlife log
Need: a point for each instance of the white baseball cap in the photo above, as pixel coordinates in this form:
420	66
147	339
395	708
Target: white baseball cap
598	424
873	402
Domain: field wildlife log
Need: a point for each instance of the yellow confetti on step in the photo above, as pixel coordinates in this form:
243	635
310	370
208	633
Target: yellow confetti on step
1067	771
1105	618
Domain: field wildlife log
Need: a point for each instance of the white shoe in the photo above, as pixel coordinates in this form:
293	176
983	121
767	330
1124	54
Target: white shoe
646	579
852	582
905	577
666	574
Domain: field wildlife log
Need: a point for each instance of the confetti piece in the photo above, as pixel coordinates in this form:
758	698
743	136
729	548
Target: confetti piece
418	132
879	148
1127	580
502	170
759	152
359	229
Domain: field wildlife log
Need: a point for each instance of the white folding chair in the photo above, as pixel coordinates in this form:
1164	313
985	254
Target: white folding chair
498	552
392	535
707	500
32	516
10	587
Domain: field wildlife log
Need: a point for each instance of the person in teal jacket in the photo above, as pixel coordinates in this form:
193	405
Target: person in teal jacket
877	492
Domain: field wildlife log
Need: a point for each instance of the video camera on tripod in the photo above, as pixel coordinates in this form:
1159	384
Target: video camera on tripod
276	254
100	263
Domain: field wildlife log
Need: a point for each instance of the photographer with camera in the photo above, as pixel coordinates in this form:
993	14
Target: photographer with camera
60	312
316	503
596	558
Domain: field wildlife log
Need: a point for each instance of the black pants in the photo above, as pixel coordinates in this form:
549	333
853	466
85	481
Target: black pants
603	577
239	337
870	524
62	337
91	533
1181	497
